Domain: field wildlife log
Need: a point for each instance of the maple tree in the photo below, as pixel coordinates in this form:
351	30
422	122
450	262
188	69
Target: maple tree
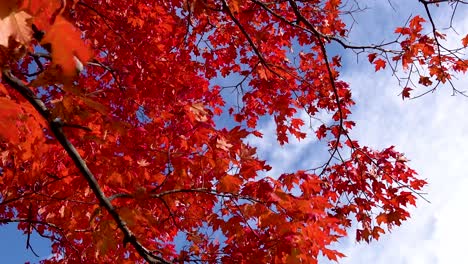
110	149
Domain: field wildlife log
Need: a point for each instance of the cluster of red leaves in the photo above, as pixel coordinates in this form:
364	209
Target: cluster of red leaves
141	116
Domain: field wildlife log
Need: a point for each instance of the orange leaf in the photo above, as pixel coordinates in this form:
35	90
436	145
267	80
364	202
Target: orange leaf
116	178
379	64
8	112
372	57
229	183
424	80
416	22
17	26
235	6
3	90
465	41
199	112
95	105
377	231
67	46
221	143
406	92
42	11
7	7
382	218
103	241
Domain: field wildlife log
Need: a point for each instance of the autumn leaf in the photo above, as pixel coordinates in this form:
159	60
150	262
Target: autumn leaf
103	241
17	26
465	41
7	7
3	90
199	112
235	6
229	184
381	218
333	254
221	143
406	92
66	45
377	231
9	111
95	105
424	80
263	72
321	132
143	163
116	178
379	64
415	23
43	11
372	57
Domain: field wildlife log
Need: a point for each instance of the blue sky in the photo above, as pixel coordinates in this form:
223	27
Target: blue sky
432	131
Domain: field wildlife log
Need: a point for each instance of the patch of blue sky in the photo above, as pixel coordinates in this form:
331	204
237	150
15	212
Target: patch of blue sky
13	246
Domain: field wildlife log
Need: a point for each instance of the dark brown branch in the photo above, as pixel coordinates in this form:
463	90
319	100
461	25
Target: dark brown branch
28	239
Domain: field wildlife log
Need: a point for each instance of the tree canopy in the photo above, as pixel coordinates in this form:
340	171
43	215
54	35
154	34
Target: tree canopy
111	137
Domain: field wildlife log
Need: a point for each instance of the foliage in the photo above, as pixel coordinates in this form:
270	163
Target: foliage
115	162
